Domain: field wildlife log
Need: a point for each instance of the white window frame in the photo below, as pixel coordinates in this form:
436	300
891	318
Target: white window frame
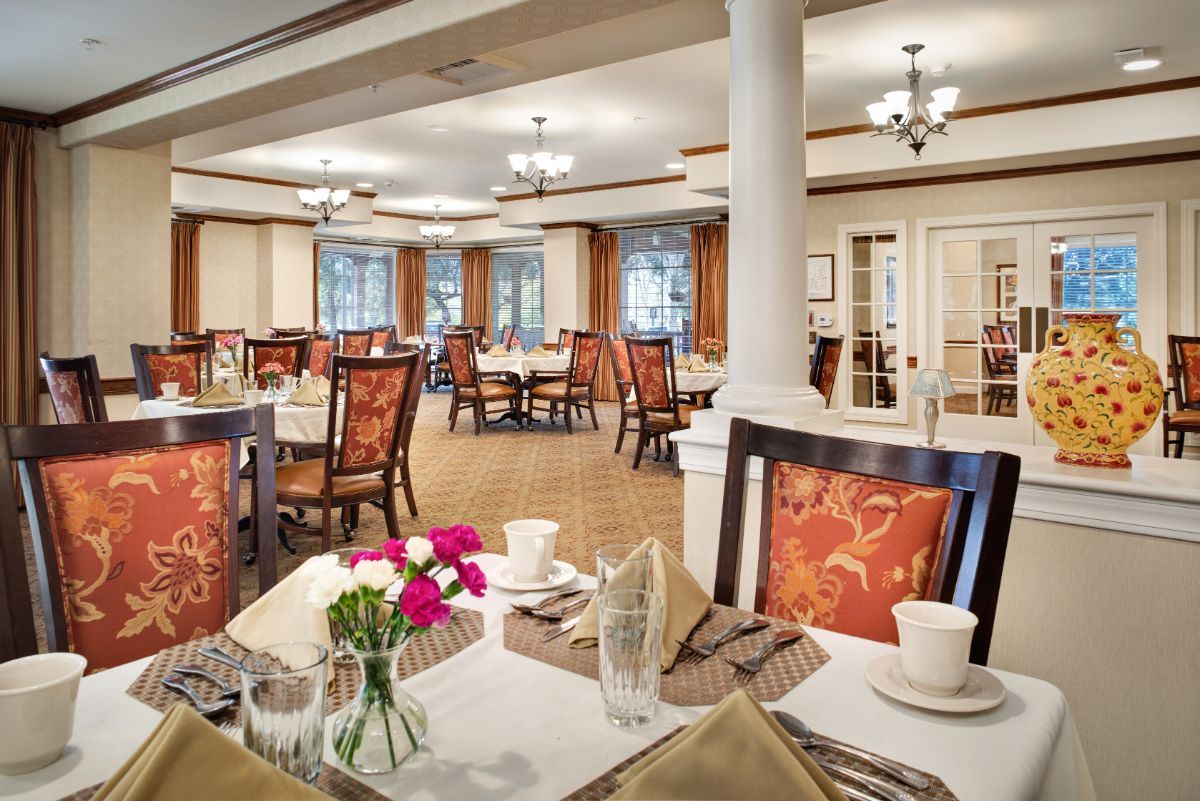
899	414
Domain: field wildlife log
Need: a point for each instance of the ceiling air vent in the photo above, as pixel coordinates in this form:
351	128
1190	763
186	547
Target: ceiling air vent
474	70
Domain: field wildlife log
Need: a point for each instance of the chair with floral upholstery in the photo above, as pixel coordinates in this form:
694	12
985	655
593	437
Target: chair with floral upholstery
291	354
355	341
216	334
659	409
475	390
361	467
134	527
284	332
75	390
619	356
573	389
321	348
849	528
566	338
381	337
827	352
155	365
1185	390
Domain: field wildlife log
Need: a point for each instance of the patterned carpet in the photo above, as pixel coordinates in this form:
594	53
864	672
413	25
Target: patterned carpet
505	474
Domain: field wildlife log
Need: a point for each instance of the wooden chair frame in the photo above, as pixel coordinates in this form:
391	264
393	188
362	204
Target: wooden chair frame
624	390
29	445
506	335
562	336
821	350
870	346
389	331
478	404
1178	391
969	567
87	374
570	400
141	370
649	427
250	371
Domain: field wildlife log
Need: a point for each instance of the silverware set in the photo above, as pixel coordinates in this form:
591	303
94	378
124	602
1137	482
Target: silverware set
230	693
540	611
747	668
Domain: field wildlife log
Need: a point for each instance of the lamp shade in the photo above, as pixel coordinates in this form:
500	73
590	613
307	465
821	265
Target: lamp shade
517	161
932	384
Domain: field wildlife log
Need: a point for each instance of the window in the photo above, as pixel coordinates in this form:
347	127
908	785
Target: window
656	283
517	294
443	290
1095	272
356	286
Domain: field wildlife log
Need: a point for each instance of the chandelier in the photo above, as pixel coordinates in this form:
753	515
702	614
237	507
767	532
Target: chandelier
901	115
541	168
324	199
436	233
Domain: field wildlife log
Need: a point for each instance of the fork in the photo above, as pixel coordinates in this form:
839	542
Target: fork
228	689
179	685
549	599
554	616
707	649
887	790
754	664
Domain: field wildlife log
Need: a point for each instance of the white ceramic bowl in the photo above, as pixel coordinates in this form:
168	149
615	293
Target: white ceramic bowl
37	707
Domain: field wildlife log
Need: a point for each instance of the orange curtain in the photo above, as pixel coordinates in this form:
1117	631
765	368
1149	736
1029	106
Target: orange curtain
477	289
710	282
18	278
185	275
410	292
605	312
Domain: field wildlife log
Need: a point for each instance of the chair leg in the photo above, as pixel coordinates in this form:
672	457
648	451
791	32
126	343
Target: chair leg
389	514
478	416
408	490
453	410
620	434
641	446
567	417
657	447
579	411
592	410
326	529
1179	444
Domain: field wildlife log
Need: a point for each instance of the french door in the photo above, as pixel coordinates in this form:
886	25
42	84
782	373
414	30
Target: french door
995	291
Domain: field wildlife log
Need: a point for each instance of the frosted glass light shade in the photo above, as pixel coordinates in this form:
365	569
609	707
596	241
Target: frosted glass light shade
879	114
543	159
307	197
932	384
426	230
564	163
897	103
518	161
945	98
321	193
340	196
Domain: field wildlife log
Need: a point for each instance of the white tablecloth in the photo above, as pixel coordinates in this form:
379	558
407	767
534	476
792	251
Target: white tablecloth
699	382
503	726
522	365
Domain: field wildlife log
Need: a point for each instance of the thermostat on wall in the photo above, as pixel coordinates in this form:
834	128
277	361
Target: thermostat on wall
824	320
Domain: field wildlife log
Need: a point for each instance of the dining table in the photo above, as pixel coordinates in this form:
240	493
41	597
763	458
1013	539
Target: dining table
522	365
504	726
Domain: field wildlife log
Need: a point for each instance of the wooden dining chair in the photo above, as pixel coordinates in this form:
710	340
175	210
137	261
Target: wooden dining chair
998	369
476	332
1184	356
381	337
355	341
506	336
134	528
475	390
154	365
403	460
660	411
284	332
618	354
574	389
566	339
849	528
290	353
217	333
361	467
875	359
827	352
75	389
321	348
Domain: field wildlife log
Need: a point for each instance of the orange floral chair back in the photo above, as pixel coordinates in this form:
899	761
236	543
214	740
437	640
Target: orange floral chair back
458	356
621	361
374	407
648	360
356	343
287	355
181	368
1185	358
141	541
319	352
587	358
380	339
830	356
67	397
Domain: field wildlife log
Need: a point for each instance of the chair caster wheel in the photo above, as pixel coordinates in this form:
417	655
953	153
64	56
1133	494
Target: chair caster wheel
249	559
347	534
299	514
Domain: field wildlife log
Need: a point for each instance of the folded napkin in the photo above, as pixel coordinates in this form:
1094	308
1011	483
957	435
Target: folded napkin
685	603
306	395
539	351
323	386
697	365
736	751
216	395
498	351
186	758
682	362
415	339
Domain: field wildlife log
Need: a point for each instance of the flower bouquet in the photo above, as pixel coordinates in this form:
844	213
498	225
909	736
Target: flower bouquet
321	328
514	344
231	343
270	372
384	725
713	350
269	332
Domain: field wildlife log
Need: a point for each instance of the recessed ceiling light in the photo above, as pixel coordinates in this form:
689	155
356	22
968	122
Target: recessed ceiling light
440	197
438	128
498	188
364	186
676	165
817	58
1136	59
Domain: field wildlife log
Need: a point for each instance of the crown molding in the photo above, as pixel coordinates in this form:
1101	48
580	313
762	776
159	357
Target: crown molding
255	179
555	226
419	218
572	190
1173	85
22	117
289	33
246	220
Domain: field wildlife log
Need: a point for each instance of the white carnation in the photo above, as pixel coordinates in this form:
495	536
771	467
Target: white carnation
329	585
419	550
378	574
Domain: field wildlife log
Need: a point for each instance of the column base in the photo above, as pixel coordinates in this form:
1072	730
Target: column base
776	406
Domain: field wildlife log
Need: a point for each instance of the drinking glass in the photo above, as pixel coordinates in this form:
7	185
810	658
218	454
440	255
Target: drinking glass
283	706
624	567
630	652
341	648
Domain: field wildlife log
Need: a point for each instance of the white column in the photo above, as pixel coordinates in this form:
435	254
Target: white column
567	261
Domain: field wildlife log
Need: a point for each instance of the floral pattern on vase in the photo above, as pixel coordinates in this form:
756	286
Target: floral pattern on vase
373	406
844	548
141	542
1093	397
66	396
180	368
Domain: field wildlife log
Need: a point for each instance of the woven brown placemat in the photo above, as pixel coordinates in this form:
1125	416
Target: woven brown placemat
423	651
331	781
603	786
688	683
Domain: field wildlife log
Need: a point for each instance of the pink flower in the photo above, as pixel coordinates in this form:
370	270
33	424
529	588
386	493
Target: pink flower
365	556
1118	407
1134	386
1053	382
1049	426
1120	361
268	332
422	603
1101	389
1090	351
396	550
1149	409
1068	352
1064	400
1079	422
471	577
1137	426
1080	378
450	544
271	368
1103	439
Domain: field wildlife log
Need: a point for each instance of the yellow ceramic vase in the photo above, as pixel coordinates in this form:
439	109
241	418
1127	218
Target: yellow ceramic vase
1092	396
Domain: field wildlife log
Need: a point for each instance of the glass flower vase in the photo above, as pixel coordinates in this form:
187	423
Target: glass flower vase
384	725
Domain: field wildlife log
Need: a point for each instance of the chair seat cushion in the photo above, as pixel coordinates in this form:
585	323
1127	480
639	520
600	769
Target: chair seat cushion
1185	417
666	419
631	406
307	479
489	390
557	389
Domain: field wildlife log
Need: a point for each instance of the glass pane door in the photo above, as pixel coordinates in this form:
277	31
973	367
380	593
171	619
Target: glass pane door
876	366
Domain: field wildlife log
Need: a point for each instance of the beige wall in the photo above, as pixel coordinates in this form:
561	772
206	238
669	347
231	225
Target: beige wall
52	173
285	276
228	276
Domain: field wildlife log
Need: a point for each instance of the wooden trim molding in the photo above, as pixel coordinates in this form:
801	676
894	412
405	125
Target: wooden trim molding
247	220
419	218
255	179
556	226
21	117
289	33
111	386
572	190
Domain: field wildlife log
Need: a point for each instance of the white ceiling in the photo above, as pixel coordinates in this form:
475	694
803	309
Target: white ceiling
1000	52
46	69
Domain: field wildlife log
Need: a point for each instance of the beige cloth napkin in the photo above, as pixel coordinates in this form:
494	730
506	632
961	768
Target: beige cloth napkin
323	386
498	351
697	365
216	395
736	751
682	362
415	339
186	758
538	351
685	603
306	395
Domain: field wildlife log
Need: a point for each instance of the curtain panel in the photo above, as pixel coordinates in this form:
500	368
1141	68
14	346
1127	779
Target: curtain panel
410	292
710	282
477	289
605	311
185	275
18	278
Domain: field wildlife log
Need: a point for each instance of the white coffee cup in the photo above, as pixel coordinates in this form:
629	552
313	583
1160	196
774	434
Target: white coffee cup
37	705
935	645
531	548
253	397
170	390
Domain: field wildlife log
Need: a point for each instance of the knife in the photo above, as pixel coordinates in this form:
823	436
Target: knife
562	628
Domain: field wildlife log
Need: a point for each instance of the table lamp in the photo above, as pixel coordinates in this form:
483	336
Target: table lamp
931	385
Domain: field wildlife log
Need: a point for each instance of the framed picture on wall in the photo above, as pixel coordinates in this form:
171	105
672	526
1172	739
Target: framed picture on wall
820	277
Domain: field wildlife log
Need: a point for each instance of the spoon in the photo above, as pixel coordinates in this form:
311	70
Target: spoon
228	690
203	707
807	738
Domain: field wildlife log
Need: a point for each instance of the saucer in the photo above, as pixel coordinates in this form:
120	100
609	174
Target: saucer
560	574
982	690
